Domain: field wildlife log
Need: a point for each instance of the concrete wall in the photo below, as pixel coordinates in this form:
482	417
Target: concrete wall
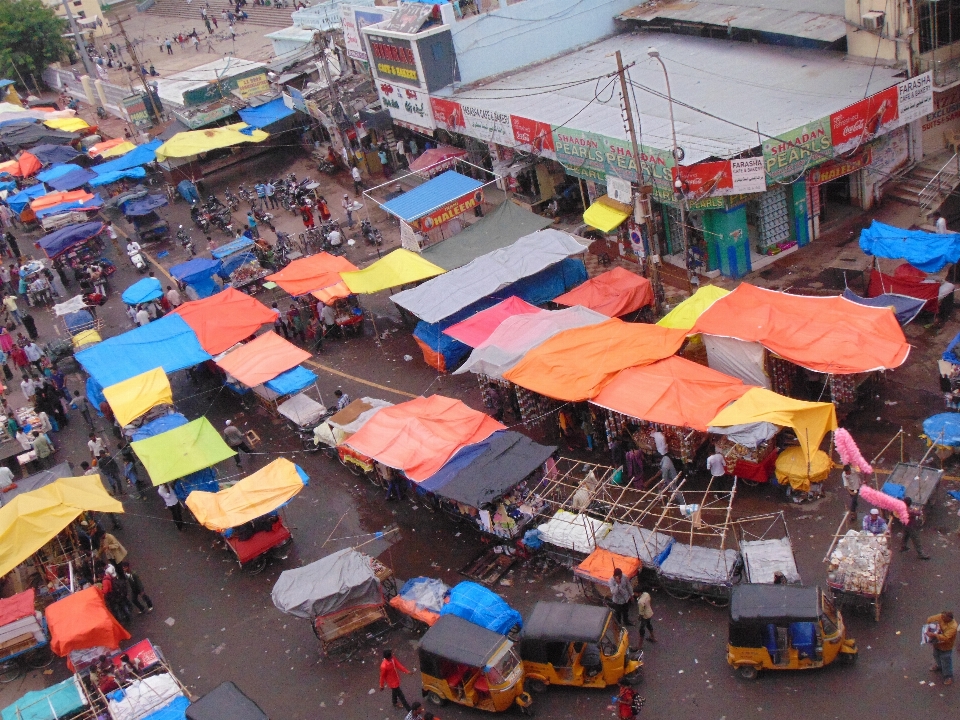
863	43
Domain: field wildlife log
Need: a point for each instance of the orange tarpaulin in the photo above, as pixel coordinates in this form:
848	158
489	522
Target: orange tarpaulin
824	334
420	435
674	391
95	150
312	273
82	621
55	198
600	564
613	293
24	166
262	359
222	320
576	364
334	292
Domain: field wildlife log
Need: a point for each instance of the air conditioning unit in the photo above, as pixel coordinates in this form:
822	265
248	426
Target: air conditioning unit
873	21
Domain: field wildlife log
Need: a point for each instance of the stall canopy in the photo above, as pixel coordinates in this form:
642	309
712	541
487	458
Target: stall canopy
397	269
53	154
23	166
132	398
823	334
19	202
143	206
33	518
517	335
673	391
59	198
160	425
432	195
141	155
168	342
476	329
262	359
198	273
67	124
225	319
36	481
194	142
57	243
223	702
63	700
436	160
684	316
88	202
576	364
420	435
312	273
182	451
614	293
234	246
82	621
117	146
266	114
335	582
291	381
905	308
28	134
72	180
254	496
606	214
105	178
55	171
810	421
445	295
929	252
142	291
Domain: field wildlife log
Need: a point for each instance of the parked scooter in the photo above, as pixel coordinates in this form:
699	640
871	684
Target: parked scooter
183	237
136	256
370	233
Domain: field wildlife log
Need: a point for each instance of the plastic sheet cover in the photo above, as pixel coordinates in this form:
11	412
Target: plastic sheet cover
266	114
399	268
336	582
291	381
929	252
904	307
426	593
181	451
225	701
737	358
614	293
476	329
693	563
81	621
763	558
58	701
160	425
684	315
482	607
140	156
262	359
57	243
225	319
302	410
943	429
142	206
573	531
142	291
133	397
651	547
194	142
141	698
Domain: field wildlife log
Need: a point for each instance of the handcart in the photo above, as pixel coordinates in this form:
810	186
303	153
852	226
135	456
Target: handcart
915	481
695	570
766	549
593	574
858	568
418	604
77	317
24	639
253	550
330	435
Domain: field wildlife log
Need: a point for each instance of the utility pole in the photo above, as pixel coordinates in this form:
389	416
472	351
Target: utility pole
81	46
644	191
137	68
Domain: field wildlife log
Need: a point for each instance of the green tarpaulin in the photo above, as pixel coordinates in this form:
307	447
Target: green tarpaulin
184	450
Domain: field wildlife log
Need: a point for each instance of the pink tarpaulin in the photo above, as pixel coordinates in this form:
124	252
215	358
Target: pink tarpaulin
436	160
475	330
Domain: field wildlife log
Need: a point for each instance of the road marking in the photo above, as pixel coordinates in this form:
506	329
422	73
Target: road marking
354	378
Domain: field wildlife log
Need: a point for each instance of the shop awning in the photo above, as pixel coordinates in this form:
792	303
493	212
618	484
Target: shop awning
234	246
143	206
58	198
168	342
420	435
223	320
184	450
255	495
266	114
291	381
432	195
132	398
614	293
576	364
824	334
52	154
57	243
673	391
312	273
194	142
476	329
517	335
142	291
436	160
67	124
929	252
397	269
606	214
73	179
262	359
82	621
335	292
684	316
141	155
32	519
110	148
35	481
443	296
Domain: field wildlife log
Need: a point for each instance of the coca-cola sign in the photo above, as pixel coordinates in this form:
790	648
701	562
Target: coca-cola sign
858	124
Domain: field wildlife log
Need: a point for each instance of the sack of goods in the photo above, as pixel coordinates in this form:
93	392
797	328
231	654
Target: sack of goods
859	563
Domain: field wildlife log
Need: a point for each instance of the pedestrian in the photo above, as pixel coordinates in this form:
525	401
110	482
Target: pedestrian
209	46
342	399
96	445
143	316
169	46
390	669
941	224
417	711
357	180
295	323
83	405
10	305
628	701
668	472
306	214
213	19
34	355
12	242
645	615
279	326
110	549
873	523
323	209
401	154
911	531
942	634
116	593
270	191
716	464
31	326
172	502
44	450
851	483
130	473
347	205
107	467
29	389
173	297
393	482
252	224
621	592
660	441
138	594
236	440
196	43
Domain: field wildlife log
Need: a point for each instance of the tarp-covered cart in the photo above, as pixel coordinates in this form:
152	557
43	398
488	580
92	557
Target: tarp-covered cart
146	222
858	568
23	636
766	549
331	435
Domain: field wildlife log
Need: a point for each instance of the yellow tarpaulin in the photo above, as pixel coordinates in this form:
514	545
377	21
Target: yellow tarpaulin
117	150
66	124
810	421
34	518
256	495
606	214
391	271
132	398
793	468
684	316
85	338
194	142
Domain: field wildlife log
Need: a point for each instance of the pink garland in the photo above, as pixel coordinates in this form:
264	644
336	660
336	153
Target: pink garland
885	502
849	452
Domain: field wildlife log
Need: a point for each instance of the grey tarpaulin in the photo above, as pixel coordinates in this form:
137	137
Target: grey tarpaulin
336	582
762	558
749	435
225	702
37	481
700	564
631	541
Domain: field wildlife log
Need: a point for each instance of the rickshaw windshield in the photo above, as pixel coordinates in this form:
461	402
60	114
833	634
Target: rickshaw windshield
610	643
829	617
500	668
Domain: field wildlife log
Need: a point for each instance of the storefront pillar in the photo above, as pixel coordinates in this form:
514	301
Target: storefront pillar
728	241
798	212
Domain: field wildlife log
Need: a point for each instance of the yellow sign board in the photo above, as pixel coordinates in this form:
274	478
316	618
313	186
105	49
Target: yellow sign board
255	85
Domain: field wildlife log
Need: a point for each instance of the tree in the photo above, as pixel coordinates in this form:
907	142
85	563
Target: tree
31	37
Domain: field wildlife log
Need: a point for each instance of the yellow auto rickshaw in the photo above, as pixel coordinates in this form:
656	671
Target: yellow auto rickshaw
579	645
784	627
464	663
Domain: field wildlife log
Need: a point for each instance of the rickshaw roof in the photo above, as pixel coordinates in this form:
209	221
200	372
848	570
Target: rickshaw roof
751	603
460	641
225	700
567	622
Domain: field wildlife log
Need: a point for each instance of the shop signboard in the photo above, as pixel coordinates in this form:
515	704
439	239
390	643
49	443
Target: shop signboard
409	240
249	87
449	211
136	107
408	106
861	122
915	97
946	108
788	156
487	124
840	167
724	177
533	135
353	20
393	59
198	120
447	114
593	157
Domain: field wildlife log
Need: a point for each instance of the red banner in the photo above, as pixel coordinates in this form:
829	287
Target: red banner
834	169
536	134
705	178
447	113
449	211
864	120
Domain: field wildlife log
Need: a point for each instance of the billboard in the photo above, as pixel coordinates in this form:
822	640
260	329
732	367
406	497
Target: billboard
353	19
406	105
393	59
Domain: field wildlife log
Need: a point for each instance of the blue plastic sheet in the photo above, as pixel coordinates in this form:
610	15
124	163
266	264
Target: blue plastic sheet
57	243
432	195
53	154
159	425
266	114
205	480
904	307
135	173
949	355
168	342
929	252
482	607
93	203
55	171
78	322
291	381
72	180
894	490
142	291
195	269
138	156
943	429
232	247
233	262
8	185
60	700
19	202
95	394
136	208
188	191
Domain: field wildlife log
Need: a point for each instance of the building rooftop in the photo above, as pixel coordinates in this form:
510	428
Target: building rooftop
172	88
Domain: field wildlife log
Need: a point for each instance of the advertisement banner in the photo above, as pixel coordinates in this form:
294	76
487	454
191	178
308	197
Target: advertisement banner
448	211
592	157
724	177
296	97
946	108
393	59
248	87
788	156
136	107
353	19
410	107
862	122
533	135
486	124
447	114
915	97
839	168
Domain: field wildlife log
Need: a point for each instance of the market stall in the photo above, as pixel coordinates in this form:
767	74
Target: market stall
78	244
142	214
24	640
615	293
224	319
197	274
333	433
476	329
137	396
81	622
766	549
858	565
184	450
242	271
143	291
396	269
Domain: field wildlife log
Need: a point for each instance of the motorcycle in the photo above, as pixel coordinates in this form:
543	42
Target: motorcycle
137	259
370	233
200	218
262	216
245	194
325	166
183	237
232	200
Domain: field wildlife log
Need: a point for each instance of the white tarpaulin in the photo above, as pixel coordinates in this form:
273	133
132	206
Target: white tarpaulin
446	294
74	304
519	334
763	558
302	409
737	358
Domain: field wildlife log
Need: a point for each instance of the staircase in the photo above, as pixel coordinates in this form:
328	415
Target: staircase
928	183
260	16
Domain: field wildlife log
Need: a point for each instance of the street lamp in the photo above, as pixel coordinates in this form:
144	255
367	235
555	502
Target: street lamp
677	156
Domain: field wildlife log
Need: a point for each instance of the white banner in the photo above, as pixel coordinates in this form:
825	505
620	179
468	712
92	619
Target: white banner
915	97
353	19
748	175
411	107
488	125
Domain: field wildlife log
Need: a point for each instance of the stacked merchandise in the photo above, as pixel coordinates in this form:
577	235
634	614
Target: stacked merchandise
859	563
615	425
733	452
572	531
510	517
773	223
843	388
783	375
535	409
682	443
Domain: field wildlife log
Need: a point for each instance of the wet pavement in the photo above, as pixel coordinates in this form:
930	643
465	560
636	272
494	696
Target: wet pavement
216	623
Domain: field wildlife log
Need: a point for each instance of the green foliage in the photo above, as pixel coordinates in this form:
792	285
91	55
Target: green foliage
30	38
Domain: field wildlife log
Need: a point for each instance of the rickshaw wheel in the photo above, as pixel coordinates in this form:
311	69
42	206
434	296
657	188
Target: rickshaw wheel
537	686
10	671
749	483
436	699
255	567
677	594
717	602
747	672
527	710
39	658
848	658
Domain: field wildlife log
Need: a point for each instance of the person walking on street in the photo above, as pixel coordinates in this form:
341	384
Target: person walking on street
83	405
645	613
621	592
911	531
943	638
10	305
252	224
235	439
172	503
717	465
390	669
357	180
347	205
138	594
851	483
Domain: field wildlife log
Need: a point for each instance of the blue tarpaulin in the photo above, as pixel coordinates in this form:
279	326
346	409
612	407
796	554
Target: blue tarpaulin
138	156
78	321
188	191
291	381
205	480
59	701
198	273
135	173
943	429
482	607
142	291
926	251
8	185
57	243
168	342
232	247
160	425
95	394
53	154
266	114
949	354
233	262
72	180
136	208
904	307
430	196
94	203
19	202
464	457
55	171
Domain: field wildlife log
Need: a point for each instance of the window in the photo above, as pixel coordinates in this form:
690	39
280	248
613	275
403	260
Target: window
77	3
939	23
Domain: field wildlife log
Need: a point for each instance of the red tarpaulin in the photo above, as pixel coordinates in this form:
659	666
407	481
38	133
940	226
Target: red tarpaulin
906	280
312	273
474	330
262	359
222	320
436	160
81	621
613	293
17	606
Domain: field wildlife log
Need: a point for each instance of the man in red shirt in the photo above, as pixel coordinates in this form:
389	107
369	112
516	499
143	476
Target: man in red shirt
390	670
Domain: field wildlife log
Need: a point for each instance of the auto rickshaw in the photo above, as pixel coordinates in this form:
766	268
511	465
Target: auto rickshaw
472	666
579	645
784	627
